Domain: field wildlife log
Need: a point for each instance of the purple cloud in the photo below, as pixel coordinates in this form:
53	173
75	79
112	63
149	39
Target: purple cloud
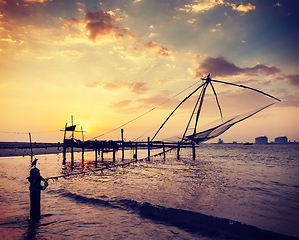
293	79
220	67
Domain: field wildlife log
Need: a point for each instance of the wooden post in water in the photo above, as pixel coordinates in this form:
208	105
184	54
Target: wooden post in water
72	142
96	154
193	150
64	154
31	146
83	153
148	149
122	145
163	150
114	153
102	154
72	154
178	150
135	155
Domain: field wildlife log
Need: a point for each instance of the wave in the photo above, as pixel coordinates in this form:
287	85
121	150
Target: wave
194	222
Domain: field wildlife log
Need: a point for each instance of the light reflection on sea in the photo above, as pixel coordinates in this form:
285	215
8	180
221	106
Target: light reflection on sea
256	185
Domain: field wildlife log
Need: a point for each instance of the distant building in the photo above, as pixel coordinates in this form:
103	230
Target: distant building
281	140
261	140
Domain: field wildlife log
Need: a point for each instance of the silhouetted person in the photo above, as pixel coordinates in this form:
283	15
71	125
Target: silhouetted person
35	187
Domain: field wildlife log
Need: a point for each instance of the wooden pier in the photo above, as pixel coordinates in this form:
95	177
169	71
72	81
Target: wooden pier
100	147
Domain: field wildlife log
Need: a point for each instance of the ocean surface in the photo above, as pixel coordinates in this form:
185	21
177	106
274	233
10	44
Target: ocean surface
230	191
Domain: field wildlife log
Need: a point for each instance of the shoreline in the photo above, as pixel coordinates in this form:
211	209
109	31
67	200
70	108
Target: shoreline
14	152
13	149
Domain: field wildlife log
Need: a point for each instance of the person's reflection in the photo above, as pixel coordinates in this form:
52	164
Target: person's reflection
32	230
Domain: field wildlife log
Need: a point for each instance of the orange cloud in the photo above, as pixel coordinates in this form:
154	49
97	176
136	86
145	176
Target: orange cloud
278	5
205	5
242	8
104	24
201	6
40	1
193	20
161	81
101	24
129	106
93	84
134	87
160	50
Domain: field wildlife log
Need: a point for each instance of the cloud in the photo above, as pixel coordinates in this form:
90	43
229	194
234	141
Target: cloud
153	34
193	20
206	5
129	106
93	84
201	6
242	8
121	105
134	87
40	1
103	24
150	67
99	25
220	67
162	81
263	69
293	79
22	12
159	49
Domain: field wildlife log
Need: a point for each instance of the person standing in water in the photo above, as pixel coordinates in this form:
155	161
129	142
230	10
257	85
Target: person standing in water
35	188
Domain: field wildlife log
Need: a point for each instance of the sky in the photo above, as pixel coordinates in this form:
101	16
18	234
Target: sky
128	63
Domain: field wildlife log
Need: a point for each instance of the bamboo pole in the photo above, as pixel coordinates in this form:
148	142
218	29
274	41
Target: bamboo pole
31	146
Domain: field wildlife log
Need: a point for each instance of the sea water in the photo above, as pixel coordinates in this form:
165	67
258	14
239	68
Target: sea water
229	191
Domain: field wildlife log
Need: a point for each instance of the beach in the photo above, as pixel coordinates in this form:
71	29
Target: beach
8	149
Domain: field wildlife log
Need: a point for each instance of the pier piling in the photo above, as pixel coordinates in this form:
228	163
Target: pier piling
122	145
193	150
96	154
148	149
178	153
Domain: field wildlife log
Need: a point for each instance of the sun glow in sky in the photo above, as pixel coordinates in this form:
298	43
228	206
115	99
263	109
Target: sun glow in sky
108	62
